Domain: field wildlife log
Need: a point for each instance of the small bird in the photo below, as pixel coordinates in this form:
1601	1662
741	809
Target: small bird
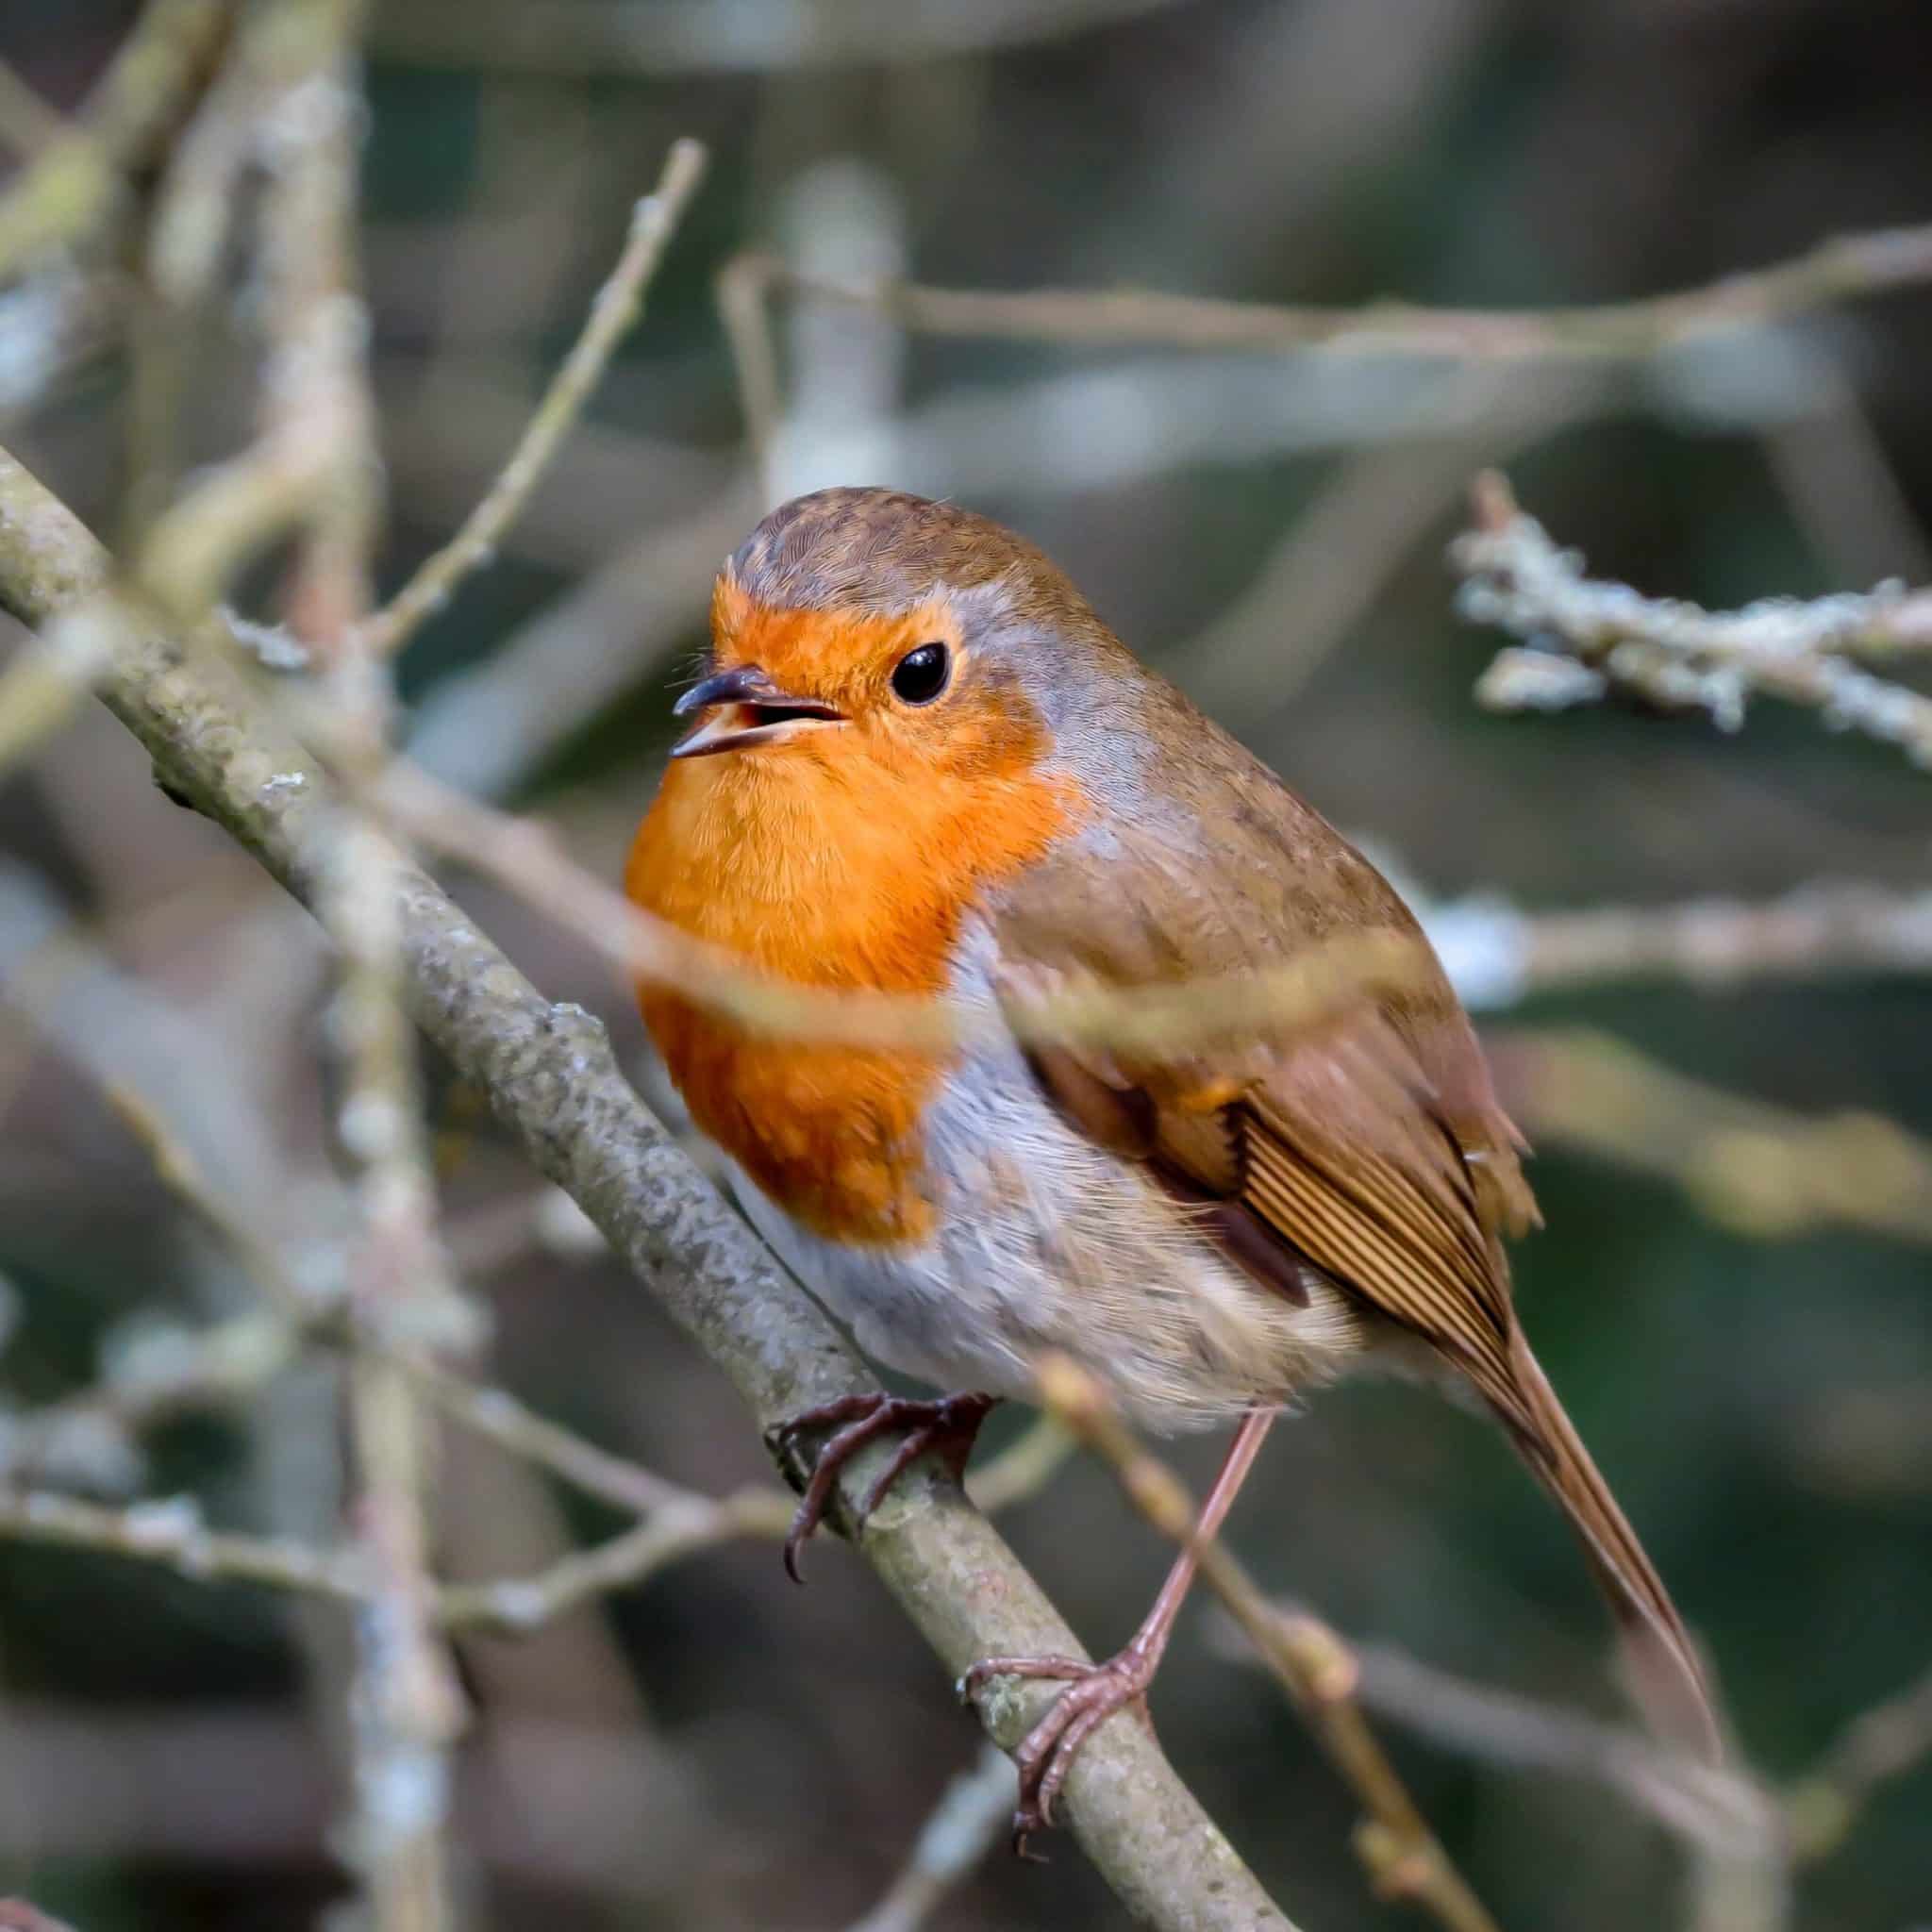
925	765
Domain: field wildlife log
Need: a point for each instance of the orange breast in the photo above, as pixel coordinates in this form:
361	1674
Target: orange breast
834	871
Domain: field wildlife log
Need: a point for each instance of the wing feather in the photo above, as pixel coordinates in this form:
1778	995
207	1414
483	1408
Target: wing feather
1370	1148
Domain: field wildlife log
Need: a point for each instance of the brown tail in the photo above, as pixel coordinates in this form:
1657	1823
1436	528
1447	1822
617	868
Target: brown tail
1666	1676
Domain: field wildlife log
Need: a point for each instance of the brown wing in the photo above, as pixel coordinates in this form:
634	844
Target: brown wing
1372	1146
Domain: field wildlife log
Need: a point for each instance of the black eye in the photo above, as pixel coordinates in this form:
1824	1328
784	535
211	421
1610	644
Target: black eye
920	676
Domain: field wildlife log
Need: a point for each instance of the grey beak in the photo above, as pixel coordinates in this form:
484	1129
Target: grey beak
772	710
744	684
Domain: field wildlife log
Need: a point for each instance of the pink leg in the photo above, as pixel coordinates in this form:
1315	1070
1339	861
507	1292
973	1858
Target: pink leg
1095	1692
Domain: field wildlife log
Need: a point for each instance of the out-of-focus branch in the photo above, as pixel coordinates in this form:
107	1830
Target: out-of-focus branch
1591	637
522	855
1403	1855
73	180
1712	1807
1759	1170
171	1533
1022	1468
667	1535
487	729
973	1812
1837	271
593	39
1881	1744
617	307
1499	956
318	423
27	124
552	1078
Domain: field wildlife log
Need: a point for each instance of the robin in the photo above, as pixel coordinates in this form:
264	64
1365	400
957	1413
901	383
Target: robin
924	764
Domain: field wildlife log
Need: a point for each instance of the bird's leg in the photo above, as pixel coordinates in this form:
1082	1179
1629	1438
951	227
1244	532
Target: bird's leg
946	1426
1095	1692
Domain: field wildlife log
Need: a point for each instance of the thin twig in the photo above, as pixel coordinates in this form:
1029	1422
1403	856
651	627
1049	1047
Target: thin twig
1499	955
171	1533
1835	271
1022	1468
27	124
618	304
1677	654
522	855
1403	1855
973	1813
73	181
408	1706
672	1533
1759	1170
1879	1745
1716	1808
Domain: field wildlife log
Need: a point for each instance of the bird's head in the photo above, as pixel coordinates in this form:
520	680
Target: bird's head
864	633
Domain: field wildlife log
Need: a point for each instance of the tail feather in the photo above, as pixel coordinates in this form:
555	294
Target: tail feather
1666	1674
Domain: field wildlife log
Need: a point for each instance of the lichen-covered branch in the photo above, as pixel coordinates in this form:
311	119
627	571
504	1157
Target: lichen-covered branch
1588	637
552	1078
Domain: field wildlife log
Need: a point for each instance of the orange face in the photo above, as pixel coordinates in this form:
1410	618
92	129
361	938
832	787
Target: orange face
894	694
833	818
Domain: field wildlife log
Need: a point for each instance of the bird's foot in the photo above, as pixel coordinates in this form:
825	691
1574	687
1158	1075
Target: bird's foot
1044	1756
946	1427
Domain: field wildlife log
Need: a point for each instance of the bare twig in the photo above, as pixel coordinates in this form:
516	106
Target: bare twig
1716	1808
522	855
1404	1858
73	181
1759	1170
1842	270
973	1812
1675	653
171	1533
318	417
672	1533
1022	1468
1499	956
27	124
617	307
1881	1744
486	728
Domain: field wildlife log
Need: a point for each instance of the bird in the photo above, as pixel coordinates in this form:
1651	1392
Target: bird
921	763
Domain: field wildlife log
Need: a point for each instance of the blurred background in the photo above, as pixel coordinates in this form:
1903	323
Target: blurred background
717	1749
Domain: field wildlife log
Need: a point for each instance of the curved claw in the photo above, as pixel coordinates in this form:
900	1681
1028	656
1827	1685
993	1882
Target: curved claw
1094	1693
947	1427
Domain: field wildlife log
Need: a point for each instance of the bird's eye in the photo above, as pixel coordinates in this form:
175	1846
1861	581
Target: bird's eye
920	676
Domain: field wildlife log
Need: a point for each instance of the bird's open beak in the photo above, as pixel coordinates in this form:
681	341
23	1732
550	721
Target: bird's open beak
748	708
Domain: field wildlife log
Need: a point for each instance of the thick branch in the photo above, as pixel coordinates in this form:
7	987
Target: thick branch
553	1080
